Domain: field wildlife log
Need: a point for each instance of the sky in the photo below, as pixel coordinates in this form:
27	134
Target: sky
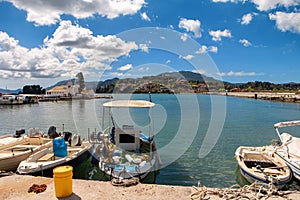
45	41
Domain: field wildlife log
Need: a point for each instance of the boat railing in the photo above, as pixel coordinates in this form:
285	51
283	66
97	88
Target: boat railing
97	137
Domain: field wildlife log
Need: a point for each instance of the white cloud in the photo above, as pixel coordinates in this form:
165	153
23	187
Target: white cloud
144	47
187	57
69	50
287	21
246	19
245	42
48	12
205	49
145	17
217	35
116	74
231	73
190	25
168	61
213	49
184	37
265	5
125	67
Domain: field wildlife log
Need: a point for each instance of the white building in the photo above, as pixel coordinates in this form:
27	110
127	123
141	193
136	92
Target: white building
63	90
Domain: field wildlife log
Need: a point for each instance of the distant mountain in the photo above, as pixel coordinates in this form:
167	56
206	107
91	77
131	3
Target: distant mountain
5	91
88	85
170	82
190	76
179	82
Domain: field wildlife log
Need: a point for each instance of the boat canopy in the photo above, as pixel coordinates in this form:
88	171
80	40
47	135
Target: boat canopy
129	104
285	124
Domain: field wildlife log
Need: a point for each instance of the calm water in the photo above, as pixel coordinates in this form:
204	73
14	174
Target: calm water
181	124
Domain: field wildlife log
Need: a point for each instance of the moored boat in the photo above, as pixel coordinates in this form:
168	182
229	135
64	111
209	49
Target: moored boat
123	151
289	149
10	139
18	149
263	165
58	153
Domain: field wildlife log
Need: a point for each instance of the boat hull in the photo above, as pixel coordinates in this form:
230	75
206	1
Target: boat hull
292	165
47	170
269	169
128	173
10	159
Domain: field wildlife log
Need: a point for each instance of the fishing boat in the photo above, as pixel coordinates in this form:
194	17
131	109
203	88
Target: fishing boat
289	149
62	151
16	149
123	151
263	165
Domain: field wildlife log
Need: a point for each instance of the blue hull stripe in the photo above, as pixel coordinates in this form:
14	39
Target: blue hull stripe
295	169
263	180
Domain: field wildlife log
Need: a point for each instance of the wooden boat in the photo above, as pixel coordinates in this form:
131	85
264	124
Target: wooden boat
289	149
124	152
44	161
262	164
13	152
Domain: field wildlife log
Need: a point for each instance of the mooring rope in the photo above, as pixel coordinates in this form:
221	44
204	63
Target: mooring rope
255	191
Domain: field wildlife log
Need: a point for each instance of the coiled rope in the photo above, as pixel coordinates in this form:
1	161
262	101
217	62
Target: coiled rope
254	191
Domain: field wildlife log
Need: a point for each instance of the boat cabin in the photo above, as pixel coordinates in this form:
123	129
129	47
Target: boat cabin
128	138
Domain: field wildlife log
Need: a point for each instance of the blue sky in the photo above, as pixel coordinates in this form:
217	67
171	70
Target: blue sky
43	41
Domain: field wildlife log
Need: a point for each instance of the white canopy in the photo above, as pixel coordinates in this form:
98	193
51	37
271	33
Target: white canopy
284	124
129	104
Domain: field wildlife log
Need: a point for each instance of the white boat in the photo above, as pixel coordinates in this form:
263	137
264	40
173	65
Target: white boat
263	165
16	150
8	99
10	139
289	149
124	152
44	161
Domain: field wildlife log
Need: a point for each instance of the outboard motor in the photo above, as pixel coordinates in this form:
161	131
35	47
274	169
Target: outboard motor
68	137
19	133
52	132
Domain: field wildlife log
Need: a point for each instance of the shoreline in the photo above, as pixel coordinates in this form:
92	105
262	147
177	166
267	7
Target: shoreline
268	96
16	187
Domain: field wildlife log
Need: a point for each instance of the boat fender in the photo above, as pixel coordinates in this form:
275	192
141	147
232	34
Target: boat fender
137	161
142	164
129	158
75	141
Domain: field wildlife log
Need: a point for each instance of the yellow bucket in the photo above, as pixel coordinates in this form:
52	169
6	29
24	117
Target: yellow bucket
63	181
